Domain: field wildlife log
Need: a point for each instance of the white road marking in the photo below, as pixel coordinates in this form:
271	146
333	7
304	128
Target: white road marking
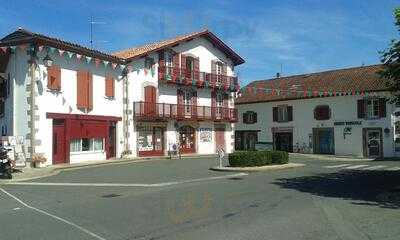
356	166
53	216
17	208
374	167
125	184
393	169
337	166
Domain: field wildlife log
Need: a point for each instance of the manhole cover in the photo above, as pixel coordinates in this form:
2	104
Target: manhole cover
112	195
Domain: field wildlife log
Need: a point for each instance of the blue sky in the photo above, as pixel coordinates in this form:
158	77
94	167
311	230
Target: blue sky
302	36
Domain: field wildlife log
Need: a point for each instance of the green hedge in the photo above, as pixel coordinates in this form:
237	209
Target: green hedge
257	158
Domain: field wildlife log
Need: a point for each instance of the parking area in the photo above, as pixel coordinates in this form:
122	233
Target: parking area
182	199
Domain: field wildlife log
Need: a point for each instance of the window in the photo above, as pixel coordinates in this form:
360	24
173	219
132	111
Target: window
397	127
249	117
110	89
84	91
322	112
87	145
218	71
54	78
282	113
148	62
2	107
372	108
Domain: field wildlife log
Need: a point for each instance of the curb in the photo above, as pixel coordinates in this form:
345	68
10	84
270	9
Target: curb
52	171
330	158
258	169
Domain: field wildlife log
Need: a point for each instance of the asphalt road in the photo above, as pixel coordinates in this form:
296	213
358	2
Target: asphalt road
182	199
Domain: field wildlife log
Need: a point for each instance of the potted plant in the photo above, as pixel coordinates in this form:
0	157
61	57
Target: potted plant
126	153
37	159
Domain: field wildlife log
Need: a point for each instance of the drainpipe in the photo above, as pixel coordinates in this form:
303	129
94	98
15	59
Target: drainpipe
125	117
32	71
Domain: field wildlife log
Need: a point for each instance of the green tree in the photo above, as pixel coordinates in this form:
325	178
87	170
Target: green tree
391	62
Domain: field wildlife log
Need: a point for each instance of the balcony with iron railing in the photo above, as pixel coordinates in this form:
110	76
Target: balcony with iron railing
148	111
182	76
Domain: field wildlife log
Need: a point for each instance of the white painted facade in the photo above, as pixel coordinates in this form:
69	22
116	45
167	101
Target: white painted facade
15	121
206	52
16	117
343	109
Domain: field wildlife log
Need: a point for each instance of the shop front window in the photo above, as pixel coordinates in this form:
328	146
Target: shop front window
150	139
87	145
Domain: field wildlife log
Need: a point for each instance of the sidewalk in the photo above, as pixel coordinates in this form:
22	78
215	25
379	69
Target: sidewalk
311	156
29	173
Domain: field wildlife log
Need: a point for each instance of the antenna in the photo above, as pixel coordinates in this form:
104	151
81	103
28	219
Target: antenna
92	22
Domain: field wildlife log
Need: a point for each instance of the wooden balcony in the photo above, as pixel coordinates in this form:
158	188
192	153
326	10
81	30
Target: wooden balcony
146	111
182	76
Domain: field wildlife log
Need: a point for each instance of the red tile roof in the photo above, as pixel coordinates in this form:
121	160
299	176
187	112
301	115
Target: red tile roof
23	36
152	47
356	79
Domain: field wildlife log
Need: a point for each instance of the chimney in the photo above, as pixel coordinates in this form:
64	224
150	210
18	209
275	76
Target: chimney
278	75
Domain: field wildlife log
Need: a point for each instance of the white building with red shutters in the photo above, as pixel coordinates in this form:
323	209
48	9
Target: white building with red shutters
184	95
344	112
74	104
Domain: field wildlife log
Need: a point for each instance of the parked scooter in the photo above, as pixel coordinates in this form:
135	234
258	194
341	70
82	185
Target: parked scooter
5	163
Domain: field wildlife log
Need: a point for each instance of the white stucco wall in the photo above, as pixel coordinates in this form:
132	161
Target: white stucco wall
343	108
139	78
59	102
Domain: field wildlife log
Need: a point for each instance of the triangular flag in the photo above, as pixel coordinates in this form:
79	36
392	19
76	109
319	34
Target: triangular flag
70	54
41	48
78	56
88	59
61	52
122	66
4	49
105	63
113	65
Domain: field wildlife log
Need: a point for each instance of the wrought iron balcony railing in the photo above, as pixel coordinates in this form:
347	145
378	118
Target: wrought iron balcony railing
196	78
148	111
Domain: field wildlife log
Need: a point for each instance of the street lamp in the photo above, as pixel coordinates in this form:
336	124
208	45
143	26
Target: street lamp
48	62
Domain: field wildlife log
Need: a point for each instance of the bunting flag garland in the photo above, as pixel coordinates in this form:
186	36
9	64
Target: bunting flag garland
70	54
114	65
61	52
88	59
78	56
105	63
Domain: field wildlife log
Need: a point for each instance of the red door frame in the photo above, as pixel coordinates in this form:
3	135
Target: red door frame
70	119
192	149
220	133
58	144
154	152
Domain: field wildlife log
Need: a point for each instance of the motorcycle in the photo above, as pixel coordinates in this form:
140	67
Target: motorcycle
5	163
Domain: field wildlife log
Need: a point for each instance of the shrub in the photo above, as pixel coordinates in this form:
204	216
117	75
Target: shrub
257	158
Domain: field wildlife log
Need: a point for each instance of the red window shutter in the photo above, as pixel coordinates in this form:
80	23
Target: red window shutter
275	114
90	90
110	88
81	89
196	69
176	67
382	107
361	108
54	77
184	72
290	113
213	73
179	94
161	65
